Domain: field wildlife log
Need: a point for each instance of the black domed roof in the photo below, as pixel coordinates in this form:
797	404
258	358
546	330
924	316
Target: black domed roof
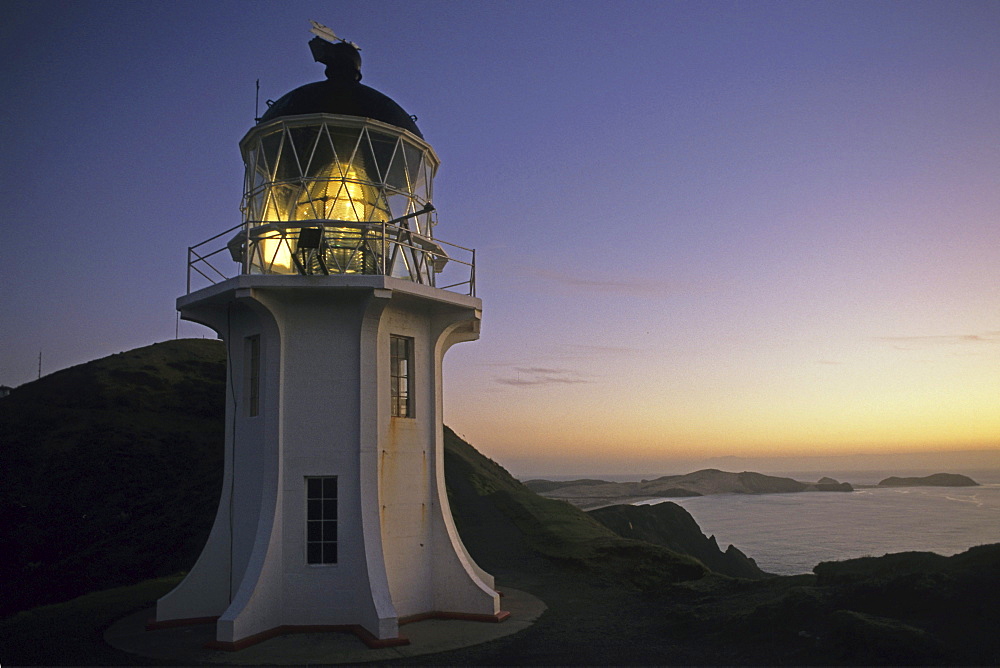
354	99
341	93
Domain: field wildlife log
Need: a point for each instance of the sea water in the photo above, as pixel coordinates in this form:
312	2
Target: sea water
788	534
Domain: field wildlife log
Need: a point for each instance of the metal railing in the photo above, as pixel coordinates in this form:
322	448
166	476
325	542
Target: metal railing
216	259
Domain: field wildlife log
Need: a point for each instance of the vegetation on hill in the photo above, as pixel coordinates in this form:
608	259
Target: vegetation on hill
112	471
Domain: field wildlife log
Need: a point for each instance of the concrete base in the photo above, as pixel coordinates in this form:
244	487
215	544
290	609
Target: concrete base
189	643
361	632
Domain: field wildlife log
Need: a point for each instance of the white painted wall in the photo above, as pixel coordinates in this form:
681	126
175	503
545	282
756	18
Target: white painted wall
325	410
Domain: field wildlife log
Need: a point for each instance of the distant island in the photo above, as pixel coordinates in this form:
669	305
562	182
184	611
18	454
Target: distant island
588	493
936	480
596	493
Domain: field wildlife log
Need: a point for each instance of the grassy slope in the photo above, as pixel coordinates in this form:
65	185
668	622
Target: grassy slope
482	490
71	633
111	470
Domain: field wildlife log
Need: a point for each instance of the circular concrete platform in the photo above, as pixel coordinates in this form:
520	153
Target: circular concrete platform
185	644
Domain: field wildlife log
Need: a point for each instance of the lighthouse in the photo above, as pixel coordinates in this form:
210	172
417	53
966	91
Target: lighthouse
332	298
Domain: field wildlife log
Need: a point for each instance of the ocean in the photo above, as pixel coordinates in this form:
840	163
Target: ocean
787	534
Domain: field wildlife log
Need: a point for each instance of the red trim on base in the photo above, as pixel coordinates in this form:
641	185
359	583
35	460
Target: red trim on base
153	625
362	634
465	616
375	643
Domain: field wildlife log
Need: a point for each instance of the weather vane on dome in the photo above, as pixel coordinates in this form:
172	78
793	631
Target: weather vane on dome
325	33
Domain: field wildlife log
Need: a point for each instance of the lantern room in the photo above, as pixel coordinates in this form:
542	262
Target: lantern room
338	181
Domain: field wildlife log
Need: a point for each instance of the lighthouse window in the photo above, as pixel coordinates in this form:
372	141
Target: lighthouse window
400	375
321	520
253	375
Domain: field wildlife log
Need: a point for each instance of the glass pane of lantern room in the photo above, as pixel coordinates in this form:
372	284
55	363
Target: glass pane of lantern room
377	209
345	141
342	205
363	165
323	162
286	166
303	139
414	161
397	182
428	183
280	204
270	145
399	205
257	170
383	147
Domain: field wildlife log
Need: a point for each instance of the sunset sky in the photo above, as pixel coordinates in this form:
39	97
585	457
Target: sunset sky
703	229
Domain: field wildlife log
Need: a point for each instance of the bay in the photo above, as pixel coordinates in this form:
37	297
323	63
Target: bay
787	534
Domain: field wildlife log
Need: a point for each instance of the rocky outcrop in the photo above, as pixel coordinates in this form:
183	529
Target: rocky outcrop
935	480
670	526
833	487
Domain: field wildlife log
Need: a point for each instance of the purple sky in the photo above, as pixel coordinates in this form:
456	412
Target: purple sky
704	228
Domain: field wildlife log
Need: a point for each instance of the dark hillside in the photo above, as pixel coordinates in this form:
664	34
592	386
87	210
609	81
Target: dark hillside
916	607
503	522
112	471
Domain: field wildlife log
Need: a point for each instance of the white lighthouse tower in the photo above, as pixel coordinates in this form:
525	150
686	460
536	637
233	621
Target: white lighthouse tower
333	513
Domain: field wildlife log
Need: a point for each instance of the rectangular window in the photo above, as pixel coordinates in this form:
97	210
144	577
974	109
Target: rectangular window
321	520
400	375
253	375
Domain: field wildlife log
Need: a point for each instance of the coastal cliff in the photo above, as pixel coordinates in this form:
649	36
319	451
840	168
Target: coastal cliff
671	526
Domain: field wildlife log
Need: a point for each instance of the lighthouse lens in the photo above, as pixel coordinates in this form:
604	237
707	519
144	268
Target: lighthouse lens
345	181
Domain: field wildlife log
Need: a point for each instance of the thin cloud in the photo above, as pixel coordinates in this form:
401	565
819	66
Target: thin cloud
609	286
580	350
533	376
908	342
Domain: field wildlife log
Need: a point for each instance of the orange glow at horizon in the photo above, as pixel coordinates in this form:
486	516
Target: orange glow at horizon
881	401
